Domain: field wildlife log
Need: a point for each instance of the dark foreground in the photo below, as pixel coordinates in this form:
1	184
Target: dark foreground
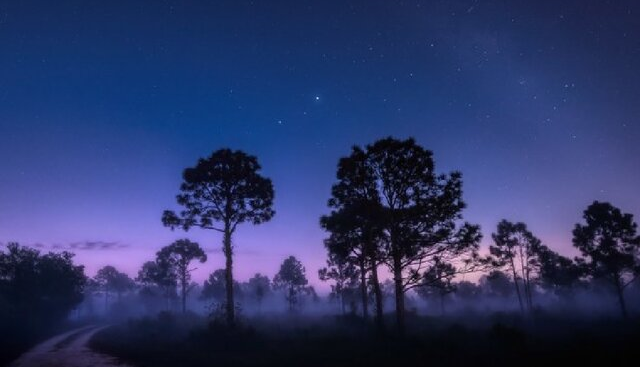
500	340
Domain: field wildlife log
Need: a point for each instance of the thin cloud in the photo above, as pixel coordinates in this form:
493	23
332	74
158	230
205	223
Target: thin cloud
76	246
96	245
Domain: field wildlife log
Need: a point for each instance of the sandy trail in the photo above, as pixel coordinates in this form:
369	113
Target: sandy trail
69	349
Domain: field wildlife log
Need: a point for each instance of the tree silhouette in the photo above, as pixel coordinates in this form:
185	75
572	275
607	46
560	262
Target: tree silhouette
179	255
111	280
259	287
344	275
351	242
123	283
215	287
517	249
610	246
37	293
467	291
559	275
90	289
354	224
219	193
159	274
40	289
292	279
421	211
496	284
437	281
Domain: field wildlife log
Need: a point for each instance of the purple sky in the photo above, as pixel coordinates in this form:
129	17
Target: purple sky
102	106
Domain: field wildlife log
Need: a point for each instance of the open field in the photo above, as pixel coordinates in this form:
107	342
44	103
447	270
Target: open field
499	340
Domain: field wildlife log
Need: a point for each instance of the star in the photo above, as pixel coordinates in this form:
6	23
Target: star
317	98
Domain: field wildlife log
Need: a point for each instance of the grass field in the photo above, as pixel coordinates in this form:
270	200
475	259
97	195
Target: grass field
499	340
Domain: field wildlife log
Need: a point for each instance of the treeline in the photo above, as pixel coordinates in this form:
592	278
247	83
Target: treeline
395	231
164	284
391	211
37	292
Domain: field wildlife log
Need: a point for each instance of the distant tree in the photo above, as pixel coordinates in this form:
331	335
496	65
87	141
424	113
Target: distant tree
179	256
158	274
496	284
258	287
219	193
388	289
292	279
215	287
437	281
421	211
344	275
466	290
558	274
610	247
91	287
123	283
111	280
310	291
517	249
37	289
106	278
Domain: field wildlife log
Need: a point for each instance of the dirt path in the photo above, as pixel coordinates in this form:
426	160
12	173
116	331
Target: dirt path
67	350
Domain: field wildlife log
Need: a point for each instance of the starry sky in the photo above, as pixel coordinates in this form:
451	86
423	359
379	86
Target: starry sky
103	104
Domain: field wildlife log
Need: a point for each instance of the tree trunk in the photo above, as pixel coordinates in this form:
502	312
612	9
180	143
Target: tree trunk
528	290
526	284
363	290
378	295
228	253
515	282
399	291
621	301
292	299
184	293
167	297
106	301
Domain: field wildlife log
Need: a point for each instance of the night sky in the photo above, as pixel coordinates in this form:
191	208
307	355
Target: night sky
103	104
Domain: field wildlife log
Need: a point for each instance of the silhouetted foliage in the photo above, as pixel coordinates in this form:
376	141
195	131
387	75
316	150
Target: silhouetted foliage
160	275
437	281
497	284
42	287
219	193
179	256
292	279
416	210
517	249
110	280
258	288
467	291
355	225
610	246
344	275
558	274
215	287
37	291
